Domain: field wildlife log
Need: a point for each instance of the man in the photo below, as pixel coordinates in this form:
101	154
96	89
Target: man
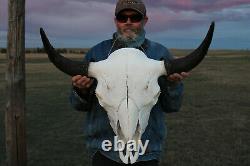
130	19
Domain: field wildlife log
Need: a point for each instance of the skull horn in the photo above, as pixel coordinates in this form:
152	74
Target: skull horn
66	65
188	62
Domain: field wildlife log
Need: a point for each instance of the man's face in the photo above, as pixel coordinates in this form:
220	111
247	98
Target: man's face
130	23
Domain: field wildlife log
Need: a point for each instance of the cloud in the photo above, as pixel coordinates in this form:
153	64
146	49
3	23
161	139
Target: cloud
3	14
93	19
87	16
70	17
198	6
163	19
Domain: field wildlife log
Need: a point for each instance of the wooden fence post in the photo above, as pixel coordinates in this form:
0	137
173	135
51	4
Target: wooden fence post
16	151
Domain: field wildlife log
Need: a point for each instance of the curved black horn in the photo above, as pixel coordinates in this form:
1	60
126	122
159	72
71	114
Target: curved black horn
188	62
66	65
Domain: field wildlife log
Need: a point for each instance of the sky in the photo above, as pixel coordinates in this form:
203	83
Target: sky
173	23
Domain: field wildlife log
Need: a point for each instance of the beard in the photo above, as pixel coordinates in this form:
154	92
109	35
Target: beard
127	35
130	37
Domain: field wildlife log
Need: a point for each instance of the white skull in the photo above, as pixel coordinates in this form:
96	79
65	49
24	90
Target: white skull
127	89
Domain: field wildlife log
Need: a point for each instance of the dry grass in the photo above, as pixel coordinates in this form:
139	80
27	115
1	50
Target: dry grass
212	128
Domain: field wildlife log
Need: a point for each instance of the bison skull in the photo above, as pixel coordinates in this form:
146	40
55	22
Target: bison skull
129	93
127	85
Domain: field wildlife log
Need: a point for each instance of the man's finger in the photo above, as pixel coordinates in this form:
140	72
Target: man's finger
82	81
185	74
75	78
89	83
177	76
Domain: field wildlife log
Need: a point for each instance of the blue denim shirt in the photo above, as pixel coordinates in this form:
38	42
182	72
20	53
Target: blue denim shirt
97	127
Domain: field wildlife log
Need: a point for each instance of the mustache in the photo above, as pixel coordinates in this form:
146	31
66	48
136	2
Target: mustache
131	32
136	31
132	36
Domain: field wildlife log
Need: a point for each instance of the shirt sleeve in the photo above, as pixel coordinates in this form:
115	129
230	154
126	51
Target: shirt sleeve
171	95
79	101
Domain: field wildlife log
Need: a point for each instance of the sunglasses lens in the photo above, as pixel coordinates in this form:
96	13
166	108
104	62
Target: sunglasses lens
121	18
133	18
136	18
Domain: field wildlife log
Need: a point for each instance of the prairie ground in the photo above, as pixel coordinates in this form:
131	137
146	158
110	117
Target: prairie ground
212	127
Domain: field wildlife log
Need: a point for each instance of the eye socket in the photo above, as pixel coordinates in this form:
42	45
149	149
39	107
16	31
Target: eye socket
147	85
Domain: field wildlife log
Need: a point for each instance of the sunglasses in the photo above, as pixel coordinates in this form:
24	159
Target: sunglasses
135	18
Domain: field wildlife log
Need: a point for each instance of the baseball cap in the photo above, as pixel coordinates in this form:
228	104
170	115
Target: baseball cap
136	5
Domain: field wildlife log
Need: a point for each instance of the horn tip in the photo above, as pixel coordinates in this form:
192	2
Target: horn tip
212	24
42	33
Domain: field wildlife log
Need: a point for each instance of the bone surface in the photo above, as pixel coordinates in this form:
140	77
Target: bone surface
127	89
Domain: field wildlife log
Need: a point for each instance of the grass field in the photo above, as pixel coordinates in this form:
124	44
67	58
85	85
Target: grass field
212	128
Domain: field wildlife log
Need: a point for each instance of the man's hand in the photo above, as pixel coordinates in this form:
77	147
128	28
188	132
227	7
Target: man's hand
82	82
178	77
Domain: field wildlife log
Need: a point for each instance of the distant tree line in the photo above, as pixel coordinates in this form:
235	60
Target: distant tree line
61	50
83	50
3	50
